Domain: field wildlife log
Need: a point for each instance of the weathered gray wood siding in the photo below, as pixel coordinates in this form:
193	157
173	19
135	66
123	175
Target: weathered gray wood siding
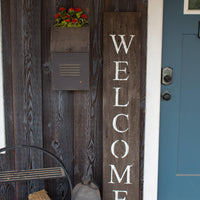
69	124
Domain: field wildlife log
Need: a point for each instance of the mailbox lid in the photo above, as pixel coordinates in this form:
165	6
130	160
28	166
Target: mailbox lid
74	40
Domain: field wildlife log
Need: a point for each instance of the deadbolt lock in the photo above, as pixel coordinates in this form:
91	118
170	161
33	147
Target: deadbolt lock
167	75
166	96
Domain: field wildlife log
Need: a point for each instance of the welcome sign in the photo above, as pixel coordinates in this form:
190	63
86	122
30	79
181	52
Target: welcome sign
121	105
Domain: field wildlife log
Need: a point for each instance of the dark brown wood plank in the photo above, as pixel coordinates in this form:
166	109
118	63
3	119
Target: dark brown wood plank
66	4
111	6
124	156
32	91
88	105
85	6
96	92
142	7
7	190
17	73
82	134
57	105
32	84
17	60
26	71
48	11
120	6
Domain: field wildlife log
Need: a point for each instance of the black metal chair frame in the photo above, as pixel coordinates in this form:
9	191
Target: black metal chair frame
31	173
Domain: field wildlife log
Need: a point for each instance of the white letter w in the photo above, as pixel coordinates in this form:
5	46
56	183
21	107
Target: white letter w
117	48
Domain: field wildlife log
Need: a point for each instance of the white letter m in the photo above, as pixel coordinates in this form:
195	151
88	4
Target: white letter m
119	179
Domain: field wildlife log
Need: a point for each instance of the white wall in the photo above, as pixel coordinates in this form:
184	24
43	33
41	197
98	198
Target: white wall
154	52
2	120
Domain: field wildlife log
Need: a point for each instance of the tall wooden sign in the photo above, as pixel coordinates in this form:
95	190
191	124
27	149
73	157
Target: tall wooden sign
121	105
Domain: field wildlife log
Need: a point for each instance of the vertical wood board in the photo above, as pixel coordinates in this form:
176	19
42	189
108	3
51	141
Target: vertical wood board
7	190
88	105
121	137
27	94
57	106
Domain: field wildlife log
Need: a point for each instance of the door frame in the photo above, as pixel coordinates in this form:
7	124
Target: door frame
153	88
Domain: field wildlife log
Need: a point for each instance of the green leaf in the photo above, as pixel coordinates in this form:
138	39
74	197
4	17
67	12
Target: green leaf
63	13
70	25
78	14
81	21
58	20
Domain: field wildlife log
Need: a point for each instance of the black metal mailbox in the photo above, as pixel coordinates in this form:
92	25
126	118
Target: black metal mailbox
70	58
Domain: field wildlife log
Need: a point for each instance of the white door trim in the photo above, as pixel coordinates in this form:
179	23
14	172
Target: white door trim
152	120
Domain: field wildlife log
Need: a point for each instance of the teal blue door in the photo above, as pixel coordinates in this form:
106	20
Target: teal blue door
179	153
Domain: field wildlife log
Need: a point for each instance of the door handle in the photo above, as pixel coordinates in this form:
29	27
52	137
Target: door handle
199	30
